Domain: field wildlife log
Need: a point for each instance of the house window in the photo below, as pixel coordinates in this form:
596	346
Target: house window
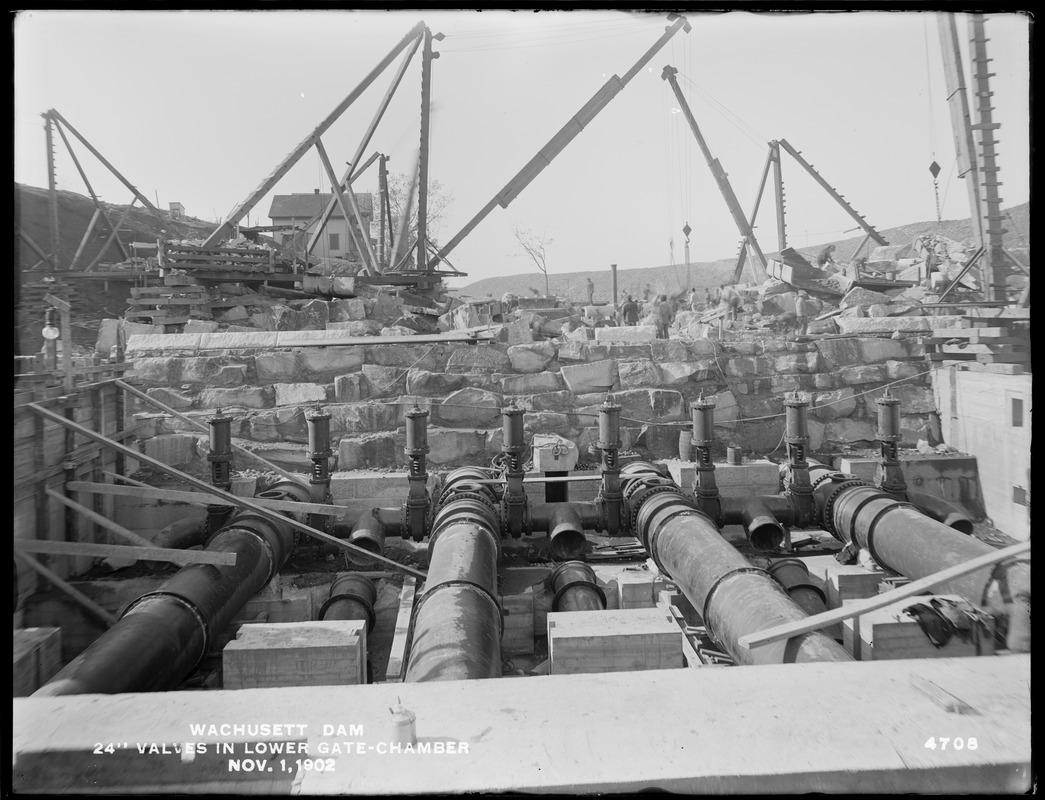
1017	412
334	241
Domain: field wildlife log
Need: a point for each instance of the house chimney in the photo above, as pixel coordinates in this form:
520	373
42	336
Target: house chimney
315	191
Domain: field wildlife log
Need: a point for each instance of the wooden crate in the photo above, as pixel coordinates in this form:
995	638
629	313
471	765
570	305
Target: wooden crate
613	641
518	624
37	658
328	653
889	633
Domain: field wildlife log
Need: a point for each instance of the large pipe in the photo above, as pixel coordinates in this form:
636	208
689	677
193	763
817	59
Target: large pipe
565	532
457	621
368	533
733	597
942	511
575	588
352	597
763	531
163	635
899	537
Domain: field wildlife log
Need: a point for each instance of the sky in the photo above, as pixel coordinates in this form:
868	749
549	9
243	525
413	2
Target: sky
199	107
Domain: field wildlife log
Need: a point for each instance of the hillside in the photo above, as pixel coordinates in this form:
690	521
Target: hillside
671	278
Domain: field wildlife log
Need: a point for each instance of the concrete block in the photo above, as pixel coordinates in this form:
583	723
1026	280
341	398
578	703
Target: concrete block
296	654
627	333
613	641
597	376
844	581
749	479
888	633
37	657
299	394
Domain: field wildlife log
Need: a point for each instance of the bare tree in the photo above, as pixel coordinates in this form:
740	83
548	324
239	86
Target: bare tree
535	247
400	189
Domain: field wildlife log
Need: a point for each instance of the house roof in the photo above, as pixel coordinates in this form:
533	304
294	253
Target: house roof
306	206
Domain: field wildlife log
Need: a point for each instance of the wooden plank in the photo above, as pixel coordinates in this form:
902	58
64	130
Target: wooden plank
200	498
944	699
116	528
136	552
518	624
1003	358
74	593
421	338
396	670
818	621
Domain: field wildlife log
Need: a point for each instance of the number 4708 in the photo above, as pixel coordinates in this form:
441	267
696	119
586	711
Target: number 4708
957	743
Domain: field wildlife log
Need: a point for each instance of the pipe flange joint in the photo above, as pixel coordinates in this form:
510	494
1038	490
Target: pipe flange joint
509	502
474	587
714	586
371	615
579	582
828	521
187	605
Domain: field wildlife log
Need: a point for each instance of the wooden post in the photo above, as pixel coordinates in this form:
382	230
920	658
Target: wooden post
427	56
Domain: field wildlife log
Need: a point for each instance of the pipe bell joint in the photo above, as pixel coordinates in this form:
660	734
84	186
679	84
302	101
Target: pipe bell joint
351	597
576	588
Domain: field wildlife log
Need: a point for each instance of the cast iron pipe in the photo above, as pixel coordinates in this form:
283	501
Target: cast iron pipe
898	536
367	532
352	597
733	597
575	588
163	635
764	532
942	511
457	621
565	532
793	575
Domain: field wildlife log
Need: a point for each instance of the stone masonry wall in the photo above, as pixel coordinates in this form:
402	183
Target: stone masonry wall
268	388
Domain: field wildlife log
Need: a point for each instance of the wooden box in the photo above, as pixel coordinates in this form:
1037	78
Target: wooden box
613	641
890	633
37	658
331	653
518	624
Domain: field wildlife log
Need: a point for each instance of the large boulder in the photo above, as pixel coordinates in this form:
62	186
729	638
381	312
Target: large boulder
531	357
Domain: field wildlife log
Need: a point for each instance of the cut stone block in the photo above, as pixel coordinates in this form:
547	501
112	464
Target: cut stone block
834	405
296	654
636	374
532	383
298	394
598	376
613	641
902	324
531	357
238	397
173	449
179	401
627	333
474	358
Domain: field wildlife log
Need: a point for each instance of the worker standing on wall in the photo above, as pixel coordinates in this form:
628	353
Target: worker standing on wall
729	299
591	292
630	311
663	317
804	309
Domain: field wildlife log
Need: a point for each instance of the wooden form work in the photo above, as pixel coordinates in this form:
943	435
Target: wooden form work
818	621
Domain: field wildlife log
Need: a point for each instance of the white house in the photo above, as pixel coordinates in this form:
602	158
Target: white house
297	210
